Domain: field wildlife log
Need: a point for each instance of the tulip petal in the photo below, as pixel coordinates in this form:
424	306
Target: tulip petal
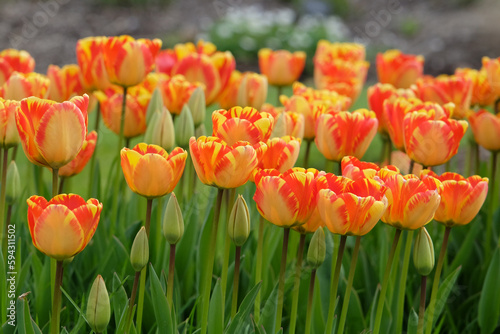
129	160
71	201
235	167
276	201
152	176
420	209
88	216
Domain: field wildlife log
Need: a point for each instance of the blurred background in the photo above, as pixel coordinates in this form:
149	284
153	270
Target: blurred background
450	34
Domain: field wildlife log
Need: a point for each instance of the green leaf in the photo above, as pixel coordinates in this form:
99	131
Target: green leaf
412	322
160	304
268	313
24	323
215	314
246	307
489	303
466	247
118	297
155	104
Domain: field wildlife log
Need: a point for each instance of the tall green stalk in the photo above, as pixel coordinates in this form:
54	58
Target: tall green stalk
236	280
92	160
281	283
310	301
296	284
258	267
56	302
421	309
53	262
491	207
402	282
171	276
306	155
122	119
337	263
231	193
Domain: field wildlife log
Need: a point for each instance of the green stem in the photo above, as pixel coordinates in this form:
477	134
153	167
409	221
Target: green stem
142	285
402	282
385	283
385	139
159	235
310	301
388	147
56	301
61	185
258	267
435	283
279	90
421	309
476	159
122	119
231	193
5	158
347	296
412	166
468	166
179	189
491	208
171	275
296	284
236	280
92	160
207	281
14	152
281	284
132	301
308	152
53	262
334	284
55	174
147	223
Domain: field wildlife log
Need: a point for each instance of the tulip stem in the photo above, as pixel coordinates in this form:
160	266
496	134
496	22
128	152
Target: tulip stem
231	193
491	208
132	301
279	90
3	188
236	280
61	185
147	223
385	282
281	284
207	281
310	301
435	282
171	273
402	282
296	284
337	263
388	147
306	155
347	295
14	152
412	166
122	119
421	310
56	301
92	160
258	267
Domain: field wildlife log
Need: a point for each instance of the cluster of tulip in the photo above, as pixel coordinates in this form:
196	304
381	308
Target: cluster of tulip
423	117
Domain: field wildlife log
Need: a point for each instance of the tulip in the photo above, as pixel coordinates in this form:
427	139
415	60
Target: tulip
288	123
153	80
13	184
90	57
228	97
12	60
165	61
52	133
253	90
62	227
64	82
242	124
339	134
492	68
486	129
281	154
160	130
345	51
431	140
221	165
139	253
173	222
20	86
394	112
238	227
127	60
399	69
176	92
355	169
98	306
76	165
150	171
482	92
185	127
8	131
197	106
282	68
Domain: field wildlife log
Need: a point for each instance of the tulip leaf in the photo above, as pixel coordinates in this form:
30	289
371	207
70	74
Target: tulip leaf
412	322
160	304
215	314
24	321
489	303
245	308
268	313
118	297
466	246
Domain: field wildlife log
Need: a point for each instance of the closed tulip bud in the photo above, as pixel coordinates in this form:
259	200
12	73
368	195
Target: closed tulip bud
317	249
184	127
98	309
160	130
279	129
173	223
200	131
238	227
197	106
13	185
423	253
139	254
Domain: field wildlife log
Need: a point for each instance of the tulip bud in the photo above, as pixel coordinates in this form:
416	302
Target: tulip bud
160	130
155	105
98	309
279	129
423	252
13	184
197	106
200	131
238	226
317	249
185	127
173	223
139	254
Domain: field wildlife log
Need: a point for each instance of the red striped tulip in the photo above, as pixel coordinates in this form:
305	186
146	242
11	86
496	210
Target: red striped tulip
8	131
242	124
253	90
65	82
492	68
165	61
62	227
153	80
12	60
228	97
224	166
461	198
90	57
394	112
486	129
345	51
339	134
76	165
314	222
176	92
281	67
52	133
150	171
431	140
354	169
20	85
281	154
128	60
288	199
399	69
482	92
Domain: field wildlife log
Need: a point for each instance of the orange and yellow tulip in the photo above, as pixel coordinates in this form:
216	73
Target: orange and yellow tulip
345	51
242	124
354	169
461	198
76	165
482	93
52	133
253	90
20	86
228	97
492	68
8	131
12	60
90	57
150	171
293	123
351	207
399	69
176	92
65	82
314	222
287	199
431	140
486	129
62	227
128	60
224	166
281	154
394	112
165	61
281	67
339	134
